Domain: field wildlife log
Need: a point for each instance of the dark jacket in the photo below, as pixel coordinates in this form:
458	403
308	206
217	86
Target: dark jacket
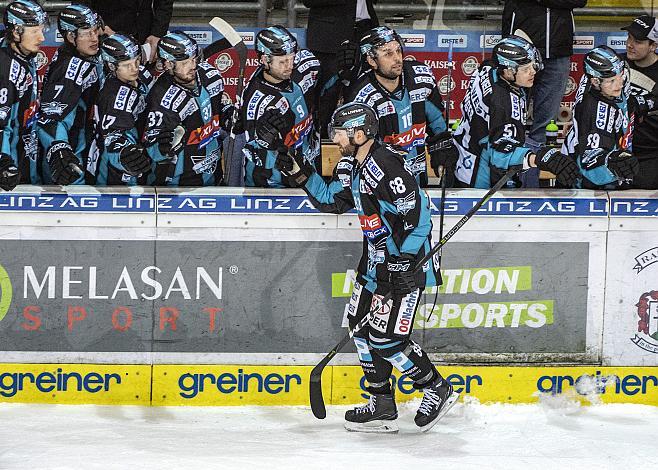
331	22
548	23
141	18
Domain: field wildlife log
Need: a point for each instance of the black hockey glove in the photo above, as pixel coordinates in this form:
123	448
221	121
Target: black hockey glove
564	168
170	142
9	175
623	164
226	120
64	165
442	152
269	127
402	276
348	59
291	162
134	160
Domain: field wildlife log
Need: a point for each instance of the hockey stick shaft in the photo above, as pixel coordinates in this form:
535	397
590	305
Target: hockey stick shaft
443	170
315	382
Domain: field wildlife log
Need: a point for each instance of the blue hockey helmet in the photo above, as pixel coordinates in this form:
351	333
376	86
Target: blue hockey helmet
177	46
514	51
75	17
118	48
603	62
24	13
377	37
275	41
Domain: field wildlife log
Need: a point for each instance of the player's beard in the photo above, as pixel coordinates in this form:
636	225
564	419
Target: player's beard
348	150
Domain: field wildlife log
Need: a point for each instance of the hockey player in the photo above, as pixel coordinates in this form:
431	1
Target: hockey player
491	134
25	22
373	178
69	93
186	116
120	116
600	139
277	107
407	100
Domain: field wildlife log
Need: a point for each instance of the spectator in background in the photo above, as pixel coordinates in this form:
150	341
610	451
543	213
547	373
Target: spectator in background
643	62
146	20
549	25
330	22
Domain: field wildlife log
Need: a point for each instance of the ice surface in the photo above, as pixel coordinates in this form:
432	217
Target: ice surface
555	433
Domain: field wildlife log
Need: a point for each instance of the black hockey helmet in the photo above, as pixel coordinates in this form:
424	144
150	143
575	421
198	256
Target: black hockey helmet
377	37
514	51
118	48
177	46
24	13
75	17
352	117
275	41
602	62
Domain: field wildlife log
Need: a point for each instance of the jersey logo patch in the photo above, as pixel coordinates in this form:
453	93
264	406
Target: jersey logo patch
202	136
601	115
411	138
169	96
54	108
121	99
406	203
298	132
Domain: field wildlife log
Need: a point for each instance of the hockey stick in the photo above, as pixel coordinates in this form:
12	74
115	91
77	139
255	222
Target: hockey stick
315	382
238	45
443	170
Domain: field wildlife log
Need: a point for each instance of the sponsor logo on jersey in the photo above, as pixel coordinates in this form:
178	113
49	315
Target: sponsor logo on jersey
304	54
424	79
202	38
223	62
40	60
422	69
583	42
406	203
416	96
370	222
298	132
406	316
413	40
201	136
120	100
470	65
282	105
53	108
365	91
373	99
215	88
15	72
488	41
516	107
601	115
375	257
30	115
411	138
188	110
457	40
253	105
179	101
306	65
386	108
617	42
307	83
172	91
374	169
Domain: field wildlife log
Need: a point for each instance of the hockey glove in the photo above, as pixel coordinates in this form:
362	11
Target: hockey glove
64	165
269	127
564	168
291	163
623	164
170	142
348	59
227	117
442	152
401	273
134	160
9	176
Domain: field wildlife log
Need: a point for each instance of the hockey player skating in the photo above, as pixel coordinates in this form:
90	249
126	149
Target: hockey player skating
491	134
407	100
24	22
373	178
276	111
69	93
600	139
120	114
186	116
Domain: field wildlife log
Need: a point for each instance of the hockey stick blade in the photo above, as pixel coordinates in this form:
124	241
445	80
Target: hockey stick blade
315	381
226	30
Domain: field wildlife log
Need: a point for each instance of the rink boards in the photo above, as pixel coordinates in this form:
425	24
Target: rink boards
241	385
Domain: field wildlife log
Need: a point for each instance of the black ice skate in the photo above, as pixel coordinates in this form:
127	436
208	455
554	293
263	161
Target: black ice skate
438	398
378	415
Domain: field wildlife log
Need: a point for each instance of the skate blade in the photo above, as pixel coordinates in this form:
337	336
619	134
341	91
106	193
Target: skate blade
450	402
377	426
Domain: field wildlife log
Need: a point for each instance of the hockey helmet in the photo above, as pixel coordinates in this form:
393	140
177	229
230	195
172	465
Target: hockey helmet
75	17
602	62
118	48
514	51
275	41
377	37
352	117
24	13
177	46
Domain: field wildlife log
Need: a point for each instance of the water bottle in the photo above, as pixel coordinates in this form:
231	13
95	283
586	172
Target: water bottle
551	134
455	125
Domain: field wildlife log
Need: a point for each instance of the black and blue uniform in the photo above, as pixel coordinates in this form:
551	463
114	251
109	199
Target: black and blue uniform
120	120
200	112
70	91
294	99
19	107
407	115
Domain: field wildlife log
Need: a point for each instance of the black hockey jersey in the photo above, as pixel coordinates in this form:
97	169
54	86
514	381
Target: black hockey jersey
407	115
200	111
